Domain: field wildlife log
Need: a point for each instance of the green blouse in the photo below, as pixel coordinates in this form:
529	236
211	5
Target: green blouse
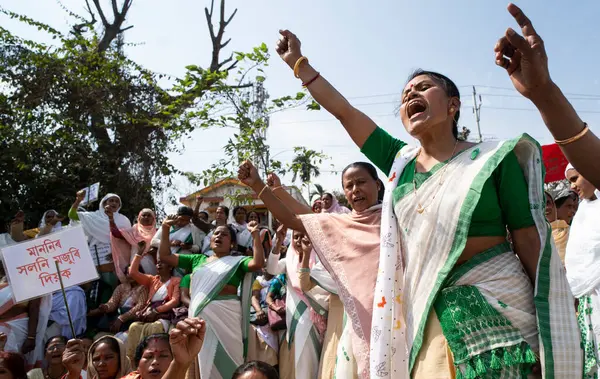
192	262
504	200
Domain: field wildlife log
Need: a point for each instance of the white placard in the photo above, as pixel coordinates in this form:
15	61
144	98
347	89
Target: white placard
91	193
31	269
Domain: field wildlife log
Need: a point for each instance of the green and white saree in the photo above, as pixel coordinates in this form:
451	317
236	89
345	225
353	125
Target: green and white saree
492	318
227	317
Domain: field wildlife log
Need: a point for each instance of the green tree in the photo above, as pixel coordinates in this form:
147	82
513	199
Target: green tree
79	111
317	192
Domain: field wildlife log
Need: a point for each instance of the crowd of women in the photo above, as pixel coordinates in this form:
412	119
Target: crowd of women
456	265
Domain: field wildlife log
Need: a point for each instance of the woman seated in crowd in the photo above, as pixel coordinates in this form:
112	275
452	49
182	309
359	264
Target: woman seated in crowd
263	342
12	365
265	236
122	309
106	359
306	328
184	237
96	226
152	357
163	296
331	204
214	295
138	238
51	222
24	324
53	368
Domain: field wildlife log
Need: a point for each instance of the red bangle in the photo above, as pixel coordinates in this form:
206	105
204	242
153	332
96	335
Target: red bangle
312	80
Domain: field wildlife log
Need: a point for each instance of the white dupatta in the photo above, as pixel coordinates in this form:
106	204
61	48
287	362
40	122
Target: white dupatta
416	257
96	225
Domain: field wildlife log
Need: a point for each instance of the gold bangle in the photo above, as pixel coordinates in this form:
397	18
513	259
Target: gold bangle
575	137
276	188
262	190
297	66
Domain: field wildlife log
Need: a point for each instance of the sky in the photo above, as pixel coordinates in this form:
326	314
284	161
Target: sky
366	52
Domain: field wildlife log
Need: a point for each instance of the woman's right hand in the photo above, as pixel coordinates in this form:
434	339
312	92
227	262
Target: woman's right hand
281	232
80	196
288	48
248	174
73	358
186	340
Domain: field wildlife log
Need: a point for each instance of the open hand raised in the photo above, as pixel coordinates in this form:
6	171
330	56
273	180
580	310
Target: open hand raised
524	57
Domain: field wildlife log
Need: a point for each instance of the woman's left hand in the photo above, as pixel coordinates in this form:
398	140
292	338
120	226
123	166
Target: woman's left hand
109	212
253	227
142	247
186	340
28	345
524	57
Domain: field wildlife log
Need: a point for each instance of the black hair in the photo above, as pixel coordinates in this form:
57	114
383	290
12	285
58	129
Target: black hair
448	86
372	172
255	212
62	339
264	368
225	209
236	209
185	211
561	200
139	350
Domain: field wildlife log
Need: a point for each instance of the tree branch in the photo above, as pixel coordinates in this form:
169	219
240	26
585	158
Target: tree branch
101	13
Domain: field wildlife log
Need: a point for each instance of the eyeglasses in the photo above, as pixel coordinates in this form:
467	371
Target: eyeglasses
56	347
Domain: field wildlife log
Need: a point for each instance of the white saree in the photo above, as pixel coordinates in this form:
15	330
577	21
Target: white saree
227	318
17	329
420	249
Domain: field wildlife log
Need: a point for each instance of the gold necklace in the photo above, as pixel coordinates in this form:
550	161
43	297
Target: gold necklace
421	208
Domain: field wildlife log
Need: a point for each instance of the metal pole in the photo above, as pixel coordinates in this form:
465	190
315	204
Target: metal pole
476	108
62	288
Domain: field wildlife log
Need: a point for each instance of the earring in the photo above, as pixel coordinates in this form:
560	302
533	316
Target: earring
452	109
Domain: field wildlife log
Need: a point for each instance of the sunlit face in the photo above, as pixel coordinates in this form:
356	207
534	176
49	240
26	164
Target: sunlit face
240	215
581	185
317	207
49	216
253	216
105	361
4	372
425	105
360	188
221	241
297	240
326	201
550	209
156	359
54	351
220	216
114	203
146	217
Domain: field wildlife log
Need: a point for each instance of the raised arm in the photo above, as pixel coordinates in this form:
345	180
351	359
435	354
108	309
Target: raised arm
258	252
248	174
73	211
134	271
275	265
356	123
286	198
164	250
526	62
49	226
17	226
206	227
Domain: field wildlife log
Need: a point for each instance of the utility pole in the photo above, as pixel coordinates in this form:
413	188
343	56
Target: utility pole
476	111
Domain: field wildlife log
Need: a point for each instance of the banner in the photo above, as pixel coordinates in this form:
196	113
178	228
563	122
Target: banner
31	269
91	193
555	163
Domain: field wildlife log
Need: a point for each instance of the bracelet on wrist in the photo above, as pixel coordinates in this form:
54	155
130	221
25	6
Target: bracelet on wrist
577	136
297	65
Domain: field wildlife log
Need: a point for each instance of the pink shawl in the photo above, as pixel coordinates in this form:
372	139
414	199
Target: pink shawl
122	249
335	206
348	246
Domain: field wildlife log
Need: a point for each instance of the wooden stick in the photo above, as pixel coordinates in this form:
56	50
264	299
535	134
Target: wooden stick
62	288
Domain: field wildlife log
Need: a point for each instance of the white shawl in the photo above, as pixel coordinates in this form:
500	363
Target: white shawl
96	225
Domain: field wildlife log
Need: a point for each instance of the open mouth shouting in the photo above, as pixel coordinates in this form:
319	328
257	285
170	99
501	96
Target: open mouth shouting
415	108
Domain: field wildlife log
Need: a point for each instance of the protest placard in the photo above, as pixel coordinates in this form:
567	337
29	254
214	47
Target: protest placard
31	269
91	193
